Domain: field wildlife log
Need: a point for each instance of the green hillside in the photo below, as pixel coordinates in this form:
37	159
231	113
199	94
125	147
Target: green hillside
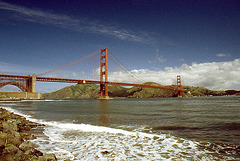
139	92
92	91
74	91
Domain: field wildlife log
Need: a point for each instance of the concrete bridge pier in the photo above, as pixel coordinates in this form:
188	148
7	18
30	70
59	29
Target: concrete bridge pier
34	78
31	83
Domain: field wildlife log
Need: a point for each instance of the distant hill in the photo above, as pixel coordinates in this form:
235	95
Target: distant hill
74	91
92	91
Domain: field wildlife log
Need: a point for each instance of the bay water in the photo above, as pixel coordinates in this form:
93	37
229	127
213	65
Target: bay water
196	128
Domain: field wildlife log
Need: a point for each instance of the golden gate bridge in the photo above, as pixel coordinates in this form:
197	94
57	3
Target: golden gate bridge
28	83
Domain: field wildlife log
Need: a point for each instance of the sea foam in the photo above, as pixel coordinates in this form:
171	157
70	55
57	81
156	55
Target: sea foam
90	142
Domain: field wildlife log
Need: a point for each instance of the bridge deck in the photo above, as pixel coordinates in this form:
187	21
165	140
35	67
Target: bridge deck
79	81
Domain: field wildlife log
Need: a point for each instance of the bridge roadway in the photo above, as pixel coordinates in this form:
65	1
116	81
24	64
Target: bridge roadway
79	81
47	79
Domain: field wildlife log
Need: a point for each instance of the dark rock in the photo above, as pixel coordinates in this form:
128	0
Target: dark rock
12	153
47	157
105	152
3	139
27	136
10	149
33	152
1	126
27	148
14	138
26	145
23	127
37	153
14	129
8	126
4	116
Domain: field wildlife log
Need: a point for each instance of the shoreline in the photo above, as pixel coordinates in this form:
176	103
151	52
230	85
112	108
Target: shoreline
39	100
16	133
71	138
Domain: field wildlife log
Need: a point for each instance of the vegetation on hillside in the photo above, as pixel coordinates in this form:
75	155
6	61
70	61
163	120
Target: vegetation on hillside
139	92
92	91
77	91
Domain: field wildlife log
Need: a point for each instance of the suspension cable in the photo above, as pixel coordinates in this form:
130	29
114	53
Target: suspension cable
127	70
77	61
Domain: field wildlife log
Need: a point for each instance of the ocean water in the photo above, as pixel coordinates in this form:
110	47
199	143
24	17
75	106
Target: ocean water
197	128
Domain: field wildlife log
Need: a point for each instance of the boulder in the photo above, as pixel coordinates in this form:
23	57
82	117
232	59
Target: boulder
23	126
12	153
10	149
14	138
3	140
9	126
14	129
27	136
26	145
28	149
4	116
1	126
47	157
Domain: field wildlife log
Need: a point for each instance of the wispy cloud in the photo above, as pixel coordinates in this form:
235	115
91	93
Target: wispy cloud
222	55
8	68
215	75
158	58
78	24
181	60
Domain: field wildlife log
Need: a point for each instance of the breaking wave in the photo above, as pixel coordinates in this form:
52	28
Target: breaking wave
89	142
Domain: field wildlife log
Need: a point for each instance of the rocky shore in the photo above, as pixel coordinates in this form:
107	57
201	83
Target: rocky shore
15	136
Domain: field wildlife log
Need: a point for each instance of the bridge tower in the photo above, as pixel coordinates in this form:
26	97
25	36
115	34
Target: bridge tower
103	75
179	86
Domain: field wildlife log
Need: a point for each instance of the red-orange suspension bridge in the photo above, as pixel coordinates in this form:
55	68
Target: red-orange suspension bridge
28	83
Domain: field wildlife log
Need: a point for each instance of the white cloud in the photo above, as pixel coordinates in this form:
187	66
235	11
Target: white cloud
222	55
158	58
77	24
215	75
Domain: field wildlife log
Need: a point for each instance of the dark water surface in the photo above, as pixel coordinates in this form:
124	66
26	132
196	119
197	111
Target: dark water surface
195	128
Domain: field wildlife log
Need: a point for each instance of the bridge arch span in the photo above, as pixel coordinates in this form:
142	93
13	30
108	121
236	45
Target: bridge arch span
17	84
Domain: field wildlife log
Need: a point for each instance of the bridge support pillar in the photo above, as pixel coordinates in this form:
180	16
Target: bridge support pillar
31	83
34	82
104	75
28	84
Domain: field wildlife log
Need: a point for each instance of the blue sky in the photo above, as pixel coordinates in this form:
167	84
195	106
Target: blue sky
155	39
